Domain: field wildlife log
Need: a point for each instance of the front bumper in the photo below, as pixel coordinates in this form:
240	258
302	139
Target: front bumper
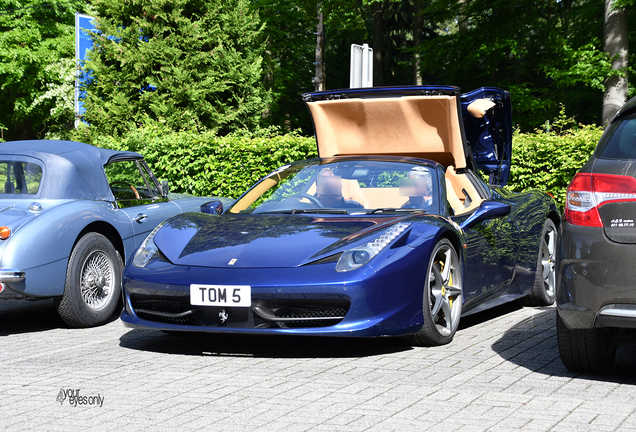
312	300
7	277
596	279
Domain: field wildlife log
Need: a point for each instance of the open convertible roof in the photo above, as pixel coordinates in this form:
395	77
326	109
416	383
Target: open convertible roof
472	130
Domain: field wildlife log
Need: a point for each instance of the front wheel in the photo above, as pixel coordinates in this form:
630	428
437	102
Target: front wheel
543	291
442	299
93	282
585	350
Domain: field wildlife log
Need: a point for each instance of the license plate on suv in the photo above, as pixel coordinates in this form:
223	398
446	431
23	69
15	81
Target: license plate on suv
221	295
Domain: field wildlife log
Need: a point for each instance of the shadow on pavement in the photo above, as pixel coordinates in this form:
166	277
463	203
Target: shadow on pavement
532	344
24	316
283	346
487	315
263	346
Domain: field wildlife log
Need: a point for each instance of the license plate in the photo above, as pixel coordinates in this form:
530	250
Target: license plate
221	295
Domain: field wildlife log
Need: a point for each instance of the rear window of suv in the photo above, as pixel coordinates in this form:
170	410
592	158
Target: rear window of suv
619	141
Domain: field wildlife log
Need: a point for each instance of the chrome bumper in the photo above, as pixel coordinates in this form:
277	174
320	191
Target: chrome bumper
11	275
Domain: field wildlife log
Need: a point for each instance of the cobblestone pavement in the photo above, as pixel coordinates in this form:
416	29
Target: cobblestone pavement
502	372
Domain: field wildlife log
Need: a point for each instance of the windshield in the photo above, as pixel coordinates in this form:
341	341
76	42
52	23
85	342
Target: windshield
351	186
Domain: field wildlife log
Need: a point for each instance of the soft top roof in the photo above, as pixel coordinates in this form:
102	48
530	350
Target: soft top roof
72	170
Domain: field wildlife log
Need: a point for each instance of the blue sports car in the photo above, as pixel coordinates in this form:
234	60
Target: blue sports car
391	232
70	215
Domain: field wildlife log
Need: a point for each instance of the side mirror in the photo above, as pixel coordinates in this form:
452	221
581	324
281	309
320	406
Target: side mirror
487	210
212	207
165	188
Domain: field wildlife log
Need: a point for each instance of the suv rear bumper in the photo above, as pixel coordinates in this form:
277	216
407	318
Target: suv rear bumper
596	279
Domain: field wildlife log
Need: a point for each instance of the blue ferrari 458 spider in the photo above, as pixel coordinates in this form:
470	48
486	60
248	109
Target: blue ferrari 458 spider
390	232
70	215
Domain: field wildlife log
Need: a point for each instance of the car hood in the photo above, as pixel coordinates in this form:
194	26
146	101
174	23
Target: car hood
471	130
260	241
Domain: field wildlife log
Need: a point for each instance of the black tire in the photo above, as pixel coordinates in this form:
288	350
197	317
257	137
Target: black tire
442	299
543	291
585	350
93	282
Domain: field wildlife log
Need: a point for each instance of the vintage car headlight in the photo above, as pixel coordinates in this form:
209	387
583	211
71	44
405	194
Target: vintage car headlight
148	249
359	256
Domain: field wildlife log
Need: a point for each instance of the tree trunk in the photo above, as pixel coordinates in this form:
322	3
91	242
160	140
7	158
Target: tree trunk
615	34
378	42
320	81
418	29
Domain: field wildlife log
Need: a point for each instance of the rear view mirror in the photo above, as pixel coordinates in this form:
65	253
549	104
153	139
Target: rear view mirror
165	188
487	210
212	207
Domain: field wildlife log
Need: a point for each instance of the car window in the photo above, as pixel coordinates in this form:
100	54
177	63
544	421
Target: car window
619	141
20	177
131	183
345	186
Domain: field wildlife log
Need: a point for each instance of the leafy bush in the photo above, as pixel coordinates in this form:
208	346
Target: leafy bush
202	163
548	158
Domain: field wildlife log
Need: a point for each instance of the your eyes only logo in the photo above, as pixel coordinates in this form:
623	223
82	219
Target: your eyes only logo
74	398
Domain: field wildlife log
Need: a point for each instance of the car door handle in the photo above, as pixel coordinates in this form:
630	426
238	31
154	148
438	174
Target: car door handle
140	218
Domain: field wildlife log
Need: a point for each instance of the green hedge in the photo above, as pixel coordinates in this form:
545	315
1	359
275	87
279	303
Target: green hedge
201	163
547	159
206	164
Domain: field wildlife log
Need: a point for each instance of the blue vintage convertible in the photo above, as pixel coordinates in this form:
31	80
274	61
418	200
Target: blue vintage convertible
391	232
70	215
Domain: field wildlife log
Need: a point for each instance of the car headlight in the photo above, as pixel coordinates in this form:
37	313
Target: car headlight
148	249
359	256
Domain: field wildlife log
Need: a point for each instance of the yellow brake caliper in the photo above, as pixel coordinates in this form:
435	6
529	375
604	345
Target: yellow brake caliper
450	283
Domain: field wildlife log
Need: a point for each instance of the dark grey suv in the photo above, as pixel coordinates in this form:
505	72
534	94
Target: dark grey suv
596	252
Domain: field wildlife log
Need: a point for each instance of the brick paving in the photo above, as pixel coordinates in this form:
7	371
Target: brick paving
502	372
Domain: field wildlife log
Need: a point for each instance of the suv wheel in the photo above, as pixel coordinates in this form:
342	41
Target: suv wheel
585	350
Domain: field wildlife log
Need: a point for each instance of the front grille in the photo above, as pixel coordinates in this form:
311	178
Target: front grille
280	313
165	311
320	317
294	314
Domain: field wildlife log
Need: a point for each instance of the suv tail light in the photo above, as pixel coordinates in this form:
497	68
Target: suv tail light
588	192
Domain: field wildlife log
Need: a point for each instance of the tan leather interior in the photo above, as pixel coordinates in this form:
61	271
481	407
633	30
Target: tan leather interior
479	107
426	127
369	197
461	193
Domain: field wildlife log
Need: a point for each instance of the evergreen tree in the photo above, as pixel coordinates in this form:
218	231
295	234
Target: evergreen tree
191	64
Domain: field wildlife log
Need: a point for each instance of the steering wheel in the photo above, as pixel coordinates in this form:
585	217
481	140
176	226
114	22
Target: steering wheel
126	185
313	199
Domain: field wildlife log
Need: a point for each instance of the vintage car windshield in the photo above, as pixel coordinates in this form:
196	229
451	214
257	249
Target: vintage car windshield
350	186
20	177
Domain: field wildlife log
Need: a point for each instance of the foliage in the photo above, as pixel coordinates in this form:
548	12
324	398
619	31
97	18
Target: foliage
188	64
205	163
36	63
290	43
548	158
544	52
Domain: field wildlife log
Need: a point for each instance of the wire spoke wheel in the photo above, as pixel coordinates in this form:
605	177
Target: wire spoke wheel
96	281
93	282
